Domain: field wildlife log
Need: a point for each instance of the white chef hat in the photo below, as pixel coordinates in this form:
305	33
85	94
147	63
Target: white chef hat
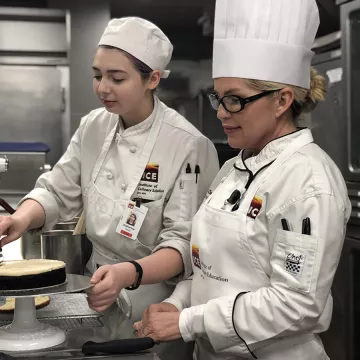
142	39
265	40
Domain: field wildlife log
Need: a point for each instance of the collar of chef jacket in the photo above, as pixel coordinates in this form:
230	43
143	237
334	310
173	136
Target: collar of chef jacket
142	127
269	153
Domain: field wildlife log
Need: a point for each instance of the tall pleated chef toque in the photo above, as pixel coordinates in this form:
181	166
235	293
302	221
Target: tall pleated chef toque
265	40
142	39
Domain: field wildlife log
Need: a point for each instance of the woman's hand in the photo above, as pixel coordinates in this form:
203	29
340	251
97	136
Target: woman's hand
159	322
108	281
11	228
30	215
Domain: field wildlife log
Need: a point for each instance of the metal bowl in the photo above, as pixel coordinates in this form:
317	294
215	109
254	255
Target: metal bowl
74	250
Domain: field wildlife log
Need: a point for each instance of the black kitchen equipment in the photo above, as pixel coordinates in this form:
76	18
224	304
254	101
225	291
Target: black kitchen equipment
122	346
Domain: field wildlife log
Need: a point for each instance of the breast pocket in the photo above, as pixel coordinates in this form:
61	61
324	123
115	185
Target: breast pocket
188	196
293	260
152	225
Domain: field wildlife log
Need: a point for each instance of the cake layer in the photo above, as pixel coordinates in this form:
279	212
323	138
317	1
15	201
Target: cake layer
29	267
31	274
40	302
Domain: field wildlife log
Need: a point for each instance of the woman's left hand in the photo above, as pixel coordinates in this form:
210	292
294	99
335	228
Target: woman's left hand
159	325
108	281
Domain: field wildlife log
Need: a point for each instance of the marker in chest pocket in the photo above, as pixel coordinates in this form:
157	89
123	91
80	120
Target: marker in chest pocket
189	193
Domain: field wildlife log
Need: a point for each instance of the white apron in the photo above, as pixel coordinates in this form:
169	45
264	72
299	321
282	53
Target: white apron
130	304
224	254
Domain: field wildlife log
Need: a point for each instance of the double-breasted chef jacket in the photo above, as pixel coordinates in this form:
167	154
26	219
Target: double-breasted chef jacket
257	289
106	166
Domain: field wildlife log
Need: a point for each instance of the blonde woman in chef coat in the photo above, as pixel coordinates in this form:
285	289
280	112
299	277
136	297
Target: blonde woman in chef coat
137	149
262	271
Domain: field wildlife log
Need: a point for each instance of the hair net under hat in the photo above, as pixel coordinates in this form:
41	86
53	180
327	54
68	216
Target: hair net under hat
267	40
142	39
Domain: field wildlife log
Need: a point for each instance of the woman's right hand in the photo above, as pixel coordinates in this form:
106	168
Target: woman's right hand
29	215
160	322
12	227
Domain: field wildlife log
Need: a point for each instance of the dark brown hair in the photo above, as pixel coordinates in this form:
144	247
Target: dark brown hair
144	70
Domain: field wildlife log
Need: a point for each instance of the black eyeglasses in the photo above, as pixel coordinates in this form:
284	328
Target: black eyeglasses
234	103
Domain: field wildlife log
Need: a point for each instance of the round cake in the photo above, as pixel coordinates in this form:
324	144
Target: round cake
31	274
40	302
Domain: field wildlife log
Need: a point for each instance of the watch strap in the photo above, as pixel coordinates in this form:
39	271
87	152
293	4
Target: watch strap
139	272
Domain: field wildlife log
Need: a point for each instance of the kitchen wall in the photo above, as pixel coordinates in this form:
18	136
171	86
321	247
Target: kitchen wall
180	20
87	23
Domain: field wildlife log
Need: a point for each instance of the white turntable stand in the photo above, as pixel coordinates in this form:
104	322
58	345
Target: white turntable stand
26	332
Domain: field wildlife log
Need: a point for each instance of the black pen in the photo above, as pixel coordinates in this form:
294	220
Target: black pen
303	229
188	169
197	172
285	225
306	227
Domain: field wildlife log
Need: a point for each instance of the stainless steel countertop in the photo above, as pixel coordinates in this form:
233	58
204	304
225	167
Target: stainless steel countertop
71	349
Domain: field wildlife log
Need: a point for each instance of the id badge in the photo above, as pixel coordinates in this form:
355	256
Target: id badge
132	220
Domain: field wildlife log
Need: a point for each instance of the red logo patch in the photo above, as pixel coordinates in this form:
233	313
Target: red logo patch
255	207
196	256
151	173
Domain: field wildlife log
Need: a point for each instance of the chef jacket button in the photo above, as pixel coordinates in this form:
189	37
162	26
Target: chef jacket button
110	176
133	149
123	186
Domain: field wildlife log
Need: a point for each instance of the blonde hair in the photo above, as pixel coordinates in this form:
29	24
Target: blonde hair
304	100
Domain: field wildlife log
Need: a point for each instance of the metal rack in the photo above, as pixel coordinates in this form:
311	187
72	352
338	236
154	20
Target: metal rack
66	311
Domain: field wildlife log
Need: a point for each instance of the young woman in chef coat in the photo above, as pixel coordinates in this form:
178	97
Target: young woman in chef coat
134	155
267	240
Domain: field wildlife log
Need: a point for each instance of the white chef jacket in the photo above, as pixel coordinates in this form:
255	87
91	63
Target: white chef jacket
102	170
255	286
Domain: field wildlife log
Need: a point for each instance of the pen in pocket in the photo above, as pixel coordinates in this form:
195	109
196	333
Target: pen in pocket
197	172
285	225
306	227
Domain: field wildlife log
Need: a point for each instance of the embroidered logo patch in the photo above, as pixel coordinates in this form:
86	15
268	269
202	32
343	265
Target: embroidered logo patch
151	173
196	256
294	263
255	207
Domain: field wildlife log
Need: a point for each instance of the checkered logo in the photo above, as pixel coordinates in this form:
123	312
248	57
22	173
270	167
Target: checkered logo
294	263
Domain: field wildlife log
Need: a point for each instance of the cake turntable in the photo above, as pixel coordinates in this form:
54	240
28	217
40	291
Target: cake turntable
26	332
